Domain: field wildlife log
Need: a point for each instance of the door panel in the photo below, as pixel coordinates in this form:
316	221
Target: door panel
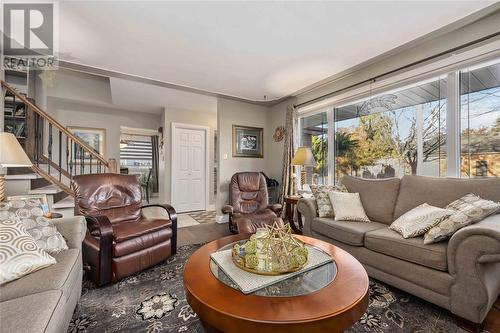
189	170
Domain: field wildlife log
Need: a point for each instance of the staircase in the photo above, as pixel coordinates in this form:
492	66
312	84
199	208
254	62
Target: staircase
57	156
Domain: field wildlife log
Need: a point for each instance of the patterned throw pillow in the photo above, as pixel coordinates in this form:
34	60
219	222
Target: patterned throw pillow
19	254
320	193
30	213
348	207
419	220
468	209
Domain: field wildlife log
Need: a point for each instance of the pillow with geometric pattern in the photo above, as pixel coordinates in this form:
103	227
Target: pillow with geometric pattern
19	254
29	211
468	209
419	220
323	202
348	207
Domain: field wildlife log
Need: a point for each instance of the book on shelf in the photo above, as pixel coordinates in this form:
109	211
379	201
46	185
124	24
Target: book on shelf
20	131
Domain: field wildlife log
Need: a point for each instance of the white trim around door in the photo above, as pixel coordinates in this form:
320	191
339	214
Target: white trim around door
175	155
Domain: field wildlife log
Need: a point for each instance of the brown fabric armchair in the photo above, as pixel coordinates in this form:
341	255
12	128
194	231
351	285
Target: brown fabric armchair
120	241
249	207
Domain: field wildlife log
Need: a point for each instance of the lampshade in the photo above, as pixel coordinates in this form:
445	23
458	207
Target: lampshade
11	152
304	156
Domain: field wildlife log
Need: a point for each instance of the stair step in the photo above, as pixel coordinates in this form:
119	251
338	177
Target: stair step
22	176
68	202
49	189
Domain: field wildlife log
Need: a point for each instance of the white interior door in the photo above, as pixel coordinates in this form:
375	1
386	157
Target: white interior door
189	176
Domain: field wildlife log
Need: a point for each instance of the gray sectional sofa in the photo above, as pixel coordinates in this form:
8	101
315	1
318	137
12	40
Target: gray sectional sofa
461	275
44	301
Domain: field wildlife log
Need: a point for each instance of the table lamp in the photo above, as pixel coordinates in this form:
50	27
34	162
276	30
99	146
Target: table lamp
305	158
11	155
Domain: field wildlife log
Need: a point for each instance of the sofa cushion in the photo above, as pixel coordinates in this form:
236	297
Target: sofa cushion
439	192
378	196
60	276
352	233
393	244
32	313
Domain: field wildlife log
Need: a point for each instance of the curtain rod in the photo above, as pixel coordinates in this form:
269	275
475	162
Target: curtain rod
374	78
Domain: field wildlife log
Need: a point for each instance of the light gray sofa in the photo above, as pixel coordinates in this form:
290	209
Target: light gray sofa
45	300
461	275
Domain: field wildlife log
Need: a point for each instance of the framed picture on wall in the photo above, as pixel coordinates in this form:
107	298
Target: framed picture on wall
95	138
248	141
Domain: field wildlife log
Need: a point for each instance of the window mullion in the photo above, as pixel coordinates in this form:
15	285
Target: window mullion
331	145
453	125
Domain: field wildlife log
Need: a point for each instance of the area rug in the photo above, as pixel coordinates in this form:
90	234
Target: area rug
154	301
203	217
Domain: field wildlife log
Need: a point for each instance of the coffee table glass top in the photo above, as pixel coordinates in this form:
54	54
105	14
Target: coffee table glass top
302	284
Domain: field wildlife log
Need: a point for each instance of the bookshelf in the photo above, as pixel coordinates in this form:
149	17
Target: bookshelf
15	112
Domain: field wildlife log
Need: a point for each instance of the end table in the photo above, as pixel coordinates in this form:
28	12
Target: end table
290	203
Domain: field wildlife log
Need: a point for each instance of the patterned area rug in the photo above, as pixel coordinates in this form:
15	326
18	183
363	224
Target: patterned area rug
203	217
154	301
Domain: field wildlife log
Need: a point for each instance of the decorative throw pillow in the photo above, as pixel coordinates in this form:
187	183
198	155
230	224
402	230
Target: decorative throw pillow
30	213
320	193
348	207
468	209
19	254
419	220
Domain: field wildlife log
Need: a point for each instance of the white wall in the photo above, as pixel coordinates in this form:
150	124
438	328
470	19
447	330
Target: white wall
276	117
231	113
201	118
70	113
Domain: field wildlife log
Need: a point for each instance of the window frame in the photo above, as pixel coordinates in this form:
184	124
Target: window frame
453	106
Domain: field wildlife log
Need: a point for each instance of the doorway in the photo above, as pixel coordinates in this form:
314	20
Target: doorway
189	171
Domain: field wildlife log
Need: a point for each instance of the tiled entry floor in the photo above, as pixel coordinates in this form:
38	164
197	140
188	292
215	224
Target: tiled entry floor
183	220
203	216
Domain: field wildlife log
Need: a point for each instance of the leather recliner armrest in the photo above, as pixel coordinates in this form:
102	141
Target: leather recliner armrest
172	215
227	209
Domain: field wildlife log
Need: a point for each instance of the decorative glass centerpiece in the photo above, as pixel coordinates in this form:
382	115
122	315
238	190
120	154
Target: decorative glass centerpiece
271	251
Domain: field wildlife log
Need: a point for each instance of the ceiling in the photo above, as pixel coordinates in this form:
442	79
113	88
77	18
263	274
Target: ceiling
244	49
148	98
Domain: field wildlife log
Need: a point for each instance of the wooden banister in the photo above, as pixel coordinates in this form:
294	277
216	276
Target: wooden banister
55	124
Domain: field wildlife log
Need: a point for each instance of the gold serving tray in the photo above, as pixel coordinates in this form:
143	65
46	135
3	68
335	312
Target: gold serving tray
239	260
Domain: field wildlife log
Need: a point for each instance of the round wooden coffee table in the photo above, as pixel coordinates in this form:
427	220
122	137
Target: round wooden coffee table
333	308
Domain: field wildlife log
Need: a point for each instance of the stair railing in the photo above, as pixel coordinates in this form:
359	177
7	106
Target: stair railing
57	154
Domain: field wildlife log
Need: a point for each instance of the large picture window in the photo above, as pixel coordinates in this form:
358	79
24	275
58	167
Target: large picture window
404	131
393	134
480	122
314	134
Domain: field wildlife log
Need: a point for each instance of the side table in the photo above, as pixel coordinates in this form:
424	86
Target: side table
290	203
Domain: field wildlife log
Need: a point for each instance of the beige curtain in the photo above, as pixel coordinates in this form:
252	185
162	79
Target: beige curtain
288	151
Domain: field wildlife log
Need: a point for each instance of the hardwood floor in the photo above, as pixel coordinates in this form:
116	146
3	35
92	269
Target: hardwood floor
202	233
211	231
492	321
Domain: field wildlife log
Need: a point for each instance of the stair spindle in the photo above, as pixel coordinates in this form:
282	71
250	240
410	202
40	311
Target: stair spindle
82	161
50	148
35	137
60	155
67	157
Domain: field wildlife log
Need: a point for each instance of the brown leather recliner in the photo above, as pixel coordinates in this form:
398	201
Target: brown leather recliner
120	241
249	207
